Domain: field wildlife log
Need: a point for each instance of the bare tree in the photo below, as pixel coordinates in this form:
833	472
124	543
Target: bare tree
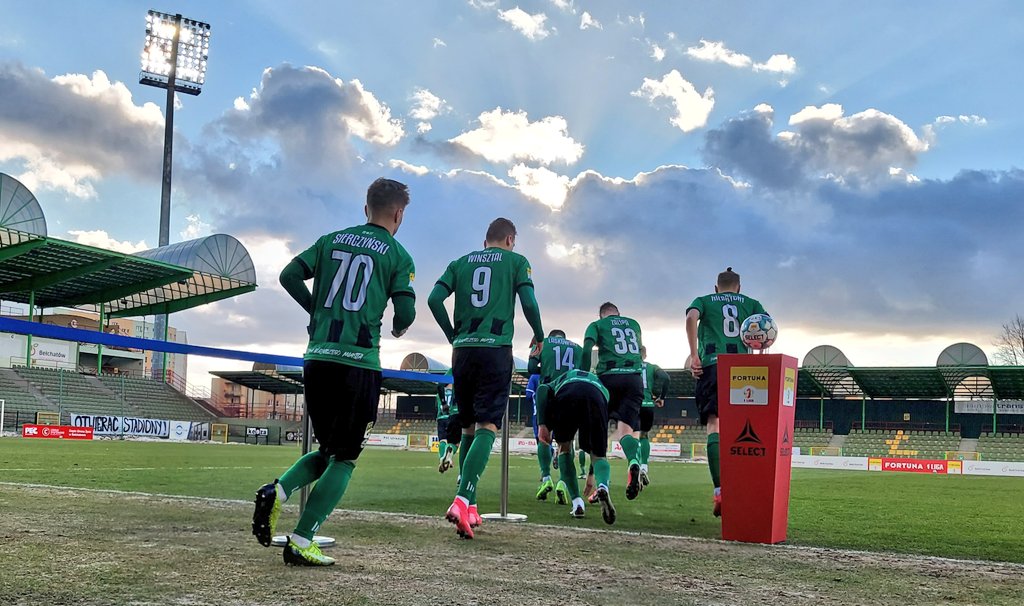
1010	343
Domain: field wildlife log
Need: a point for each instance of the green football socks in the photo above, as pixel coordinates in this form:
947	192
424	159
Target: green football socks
325	496
630	447
303	472
442	447
544	458
464	444
567	471
582	459
602	471
713	459
475	463
645	449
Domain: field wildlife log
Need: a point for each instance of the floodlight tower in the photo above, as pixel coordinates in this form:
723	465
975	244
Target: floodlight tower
174	58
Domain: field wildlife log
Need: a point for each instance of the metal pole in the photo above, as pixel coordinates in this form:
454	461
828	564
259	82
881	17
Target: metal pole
504	465
503	514
821	413
165	192
3	406
995	404
99	347
947	417
863	413
31	318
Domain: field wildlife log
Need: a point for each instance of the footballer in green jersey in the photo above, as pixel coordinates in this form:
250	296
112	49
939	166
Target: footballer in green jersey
355	272
713	327
485	284
557	355
577	402
619	365
656	383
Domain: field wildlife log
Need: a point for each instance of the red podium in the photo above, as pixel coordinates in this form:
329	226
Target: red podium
756	411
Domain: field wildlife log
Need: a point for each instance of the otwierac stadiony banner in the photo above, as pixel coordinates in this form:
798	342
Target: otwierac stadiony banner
115	425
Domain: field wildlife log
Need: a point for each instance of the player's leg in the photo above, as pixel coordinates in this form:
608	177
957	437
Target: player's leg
644	456
706	397
594	434
357	413
582	461
444	457
303	472
493	369
624	407
543	461
564	418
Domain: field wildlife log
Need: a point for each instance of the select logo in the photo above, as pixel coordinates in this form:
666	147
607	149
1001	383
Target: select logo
748	444
786	450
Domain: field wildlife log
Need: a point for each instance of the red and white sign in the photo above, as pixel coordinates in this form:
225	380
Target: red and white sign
658	449
909	465
61	432
388	439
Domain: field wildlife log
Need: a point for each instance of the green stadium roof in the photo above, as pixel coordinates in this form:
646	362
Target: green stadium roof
56	273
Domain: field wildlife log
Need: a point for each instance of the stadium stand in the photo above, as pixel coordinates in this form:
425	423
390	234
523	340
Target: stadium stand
21	400
72	392
806	438
914	444
1001	446
153	399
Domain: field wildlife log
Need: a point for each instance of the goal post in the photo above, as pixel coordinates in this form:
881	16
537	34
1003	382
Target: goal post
219	432
825	451
960	455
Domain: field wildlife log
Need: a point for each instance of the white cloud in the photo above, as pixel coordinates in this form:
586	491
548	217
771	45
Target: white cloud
531	26
541	184
240	104
564	5
510	136
72	130
195	228
780	64
427	105
657	52
691	108
483	4
828	112
101	239
716	52
971	120
405	167
374	125
424	127
269	256
764	108
439	42
589	22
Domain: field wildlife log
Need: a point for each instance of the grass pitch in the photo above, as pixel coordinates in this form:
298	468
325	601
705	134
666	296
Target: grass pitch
96	547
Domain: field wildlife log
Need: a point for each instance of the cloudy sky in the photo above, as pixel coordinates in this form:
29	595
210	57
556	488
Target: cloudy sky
861	169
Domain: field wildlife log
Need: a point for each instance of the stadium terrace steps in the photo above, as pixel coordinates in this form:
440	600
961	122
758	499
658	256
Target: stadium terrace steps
21	399
73	392
913	444
150	398
1001	447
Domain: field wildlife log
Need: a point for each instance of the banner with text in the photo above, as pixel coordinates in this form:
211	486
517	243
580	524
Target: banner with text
393	440
1004	407
61	432
110	425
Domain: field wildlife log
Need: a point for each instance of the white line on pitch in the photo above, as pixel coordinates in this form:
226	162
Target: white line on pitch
631	533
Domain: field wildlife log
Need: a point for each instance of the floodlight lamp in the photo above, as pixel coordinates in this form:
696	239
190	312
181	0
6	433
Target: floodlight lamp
190	54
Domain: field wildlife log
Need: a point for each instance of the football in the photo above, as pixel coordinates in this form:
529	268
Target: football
759	331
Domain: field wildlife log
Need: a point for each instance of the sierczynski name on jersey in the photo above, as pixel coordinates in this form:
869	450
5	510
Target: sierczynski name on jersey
362	242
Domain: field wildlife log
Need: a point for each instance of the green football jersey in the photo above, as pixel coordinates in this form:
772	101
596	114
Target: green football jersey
573	376
654	378
618	344
485	283
355	271
557	356
721	315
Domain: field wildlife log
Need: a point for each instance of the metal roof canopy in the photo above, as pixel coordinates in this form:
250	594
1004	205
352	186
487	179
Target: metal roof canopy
66	274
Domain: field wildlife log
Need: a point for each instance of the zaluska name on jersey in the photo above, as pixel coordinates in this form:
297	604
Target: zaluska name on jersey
485	283
355	272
